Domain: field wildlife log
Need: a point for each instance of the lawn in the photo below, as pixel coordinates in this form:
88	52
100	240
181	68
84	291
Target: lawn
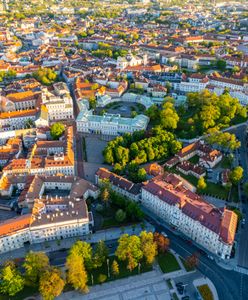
124	272
212	189
225	163
187	268
205	292
168	262
194	160
25	293
216	190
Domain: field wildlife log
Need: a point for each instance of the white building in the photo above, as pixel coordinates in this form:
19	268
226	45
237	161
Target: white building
58	103
212	228
51	218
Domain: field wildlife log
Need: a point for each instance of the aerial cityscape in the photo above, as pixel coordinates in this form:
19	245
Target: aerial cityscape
124	150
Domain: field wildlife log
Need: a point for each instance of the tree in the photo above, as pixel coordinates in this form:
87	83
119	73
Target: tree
245	186
120	216
168	116
201	184
56	131
83	250
51	284
100	254
115	268
35	264
153	112
11	281
105	196
221	64
236	175
192	261
148	246
102	278
162	242
129	249
141	175
76	274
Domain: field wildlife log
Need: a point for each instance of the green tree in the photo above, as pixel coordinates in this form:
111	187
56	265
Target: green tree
120	216
129	249
51	284
100	254
76	274
201	184
141	175
148	246
35	264
11	281
56	131
236	175
168	116
115	268
221	64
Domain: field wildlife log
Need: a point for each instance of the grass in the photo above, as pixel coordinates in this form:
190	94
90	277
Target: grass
235	194
26	292
205	292
187	268
194	160
174	296
123	271
225	163
212	189
110	223
168	262
168	281
216	190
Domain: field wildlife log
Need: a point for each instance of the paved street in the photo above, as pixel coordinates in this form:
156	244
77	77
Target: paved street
230	285
242	159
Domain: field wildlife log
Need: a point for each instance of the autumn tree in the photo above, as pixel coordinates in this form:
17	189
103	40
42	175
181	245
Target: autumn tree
84	250
236	175
105	195
161	241
51	284
115	268
148	246
129	249
76	274
192	261
11	281
201	184
35	264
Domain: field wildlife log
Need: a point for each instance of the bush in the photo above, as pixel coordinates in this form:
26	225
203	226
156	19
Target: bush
102	278
99	208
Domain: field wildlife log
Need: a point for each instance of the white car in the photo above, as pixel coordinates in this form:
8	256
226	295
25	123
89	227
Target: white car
164	234
243	221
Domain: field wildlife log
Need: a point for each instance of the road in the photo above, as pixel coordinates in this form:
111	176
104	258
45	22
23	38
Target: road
230	285
242	160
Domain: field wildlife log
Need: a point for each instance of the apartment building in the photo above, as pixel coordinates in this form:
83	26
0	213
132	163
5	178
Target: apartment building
51	217
212	228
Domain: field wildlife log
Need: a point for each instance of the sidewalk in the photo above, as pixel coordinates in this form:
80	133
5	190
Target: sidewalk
55	245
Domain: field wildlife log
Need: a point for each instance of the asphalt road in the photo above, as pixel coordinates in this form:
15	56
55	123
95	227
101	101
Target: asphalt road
242	160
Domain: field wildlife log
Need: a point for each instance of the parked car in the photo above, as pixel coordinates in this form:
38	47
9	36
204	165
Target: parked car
164	234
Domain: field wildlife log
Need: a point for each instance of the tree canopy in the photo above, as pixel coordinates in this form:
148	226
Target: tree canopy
56	131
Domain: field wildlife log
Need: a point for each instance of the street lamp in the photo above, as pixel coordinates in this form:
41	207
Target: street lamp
92	279
139	265
108	267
